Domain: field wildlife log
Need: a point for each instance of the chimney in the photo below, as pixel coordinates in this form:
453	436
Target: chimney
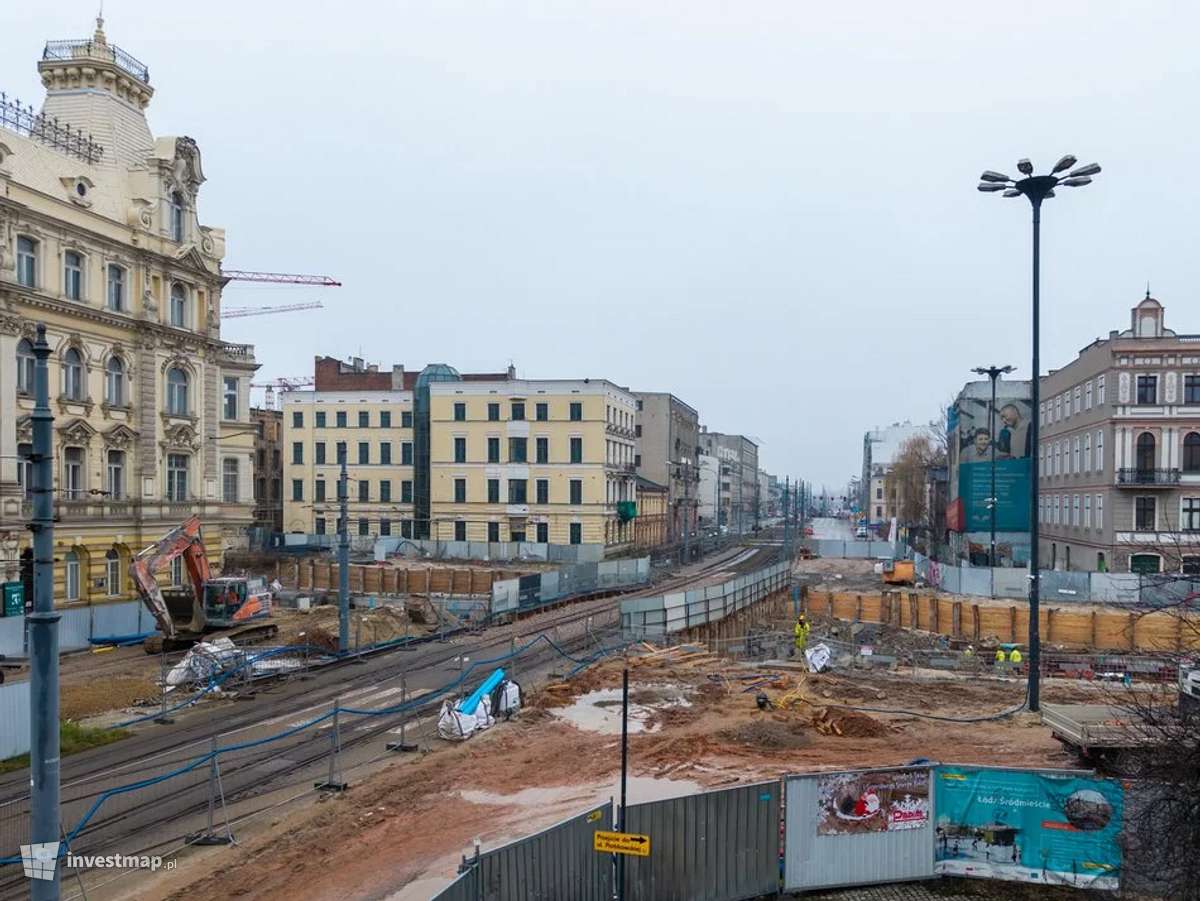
357	363
1112	336
371	367
512	371
397	377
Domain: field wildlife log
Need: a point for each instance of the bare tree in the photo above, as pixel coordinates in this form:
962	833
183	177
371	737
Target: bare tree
910	485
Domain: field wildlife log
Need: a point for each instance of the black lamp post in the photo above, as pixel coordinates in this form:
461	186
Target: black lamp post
1036	188
993	373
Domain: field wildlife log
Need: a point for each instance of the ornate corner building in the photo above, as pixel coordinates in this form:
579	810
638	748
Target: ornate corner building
100	240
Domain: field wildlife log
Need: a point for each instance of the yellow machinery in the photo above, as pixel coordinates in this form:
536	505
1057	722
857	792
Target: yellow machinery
899	572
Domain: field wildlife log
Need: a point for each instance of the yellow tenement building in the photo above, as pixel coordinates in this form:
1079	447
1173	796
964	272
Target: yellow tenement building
100	240
446	456
543	461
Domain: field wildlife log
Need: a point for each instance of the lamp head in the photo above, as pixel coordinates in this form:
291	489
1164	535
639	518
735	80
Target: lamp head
1065	163
1025	167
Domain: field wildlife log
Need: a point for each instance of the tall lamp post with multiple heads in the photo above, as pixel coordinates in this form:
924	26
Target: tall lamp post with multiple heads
993	373
1036	188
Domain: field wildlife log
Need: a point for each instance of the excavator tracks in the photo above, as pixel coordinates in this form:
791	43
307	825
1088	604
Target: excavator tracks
244	635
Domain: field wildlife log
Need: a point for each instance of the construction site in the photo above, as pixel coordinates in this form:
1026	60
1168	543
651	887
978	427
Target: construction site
887	677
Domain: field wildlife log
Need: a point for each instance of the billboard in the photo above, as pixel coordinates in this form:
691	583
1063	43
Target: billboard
859	803
975	433
1027	826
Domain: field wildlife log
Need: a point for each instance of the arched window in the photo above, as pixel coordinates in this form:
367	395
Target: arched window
25	366
71	561
177	217
114	383
72	275
1191	452
116	288
177	392
1145	455
178	310
112	572
72	374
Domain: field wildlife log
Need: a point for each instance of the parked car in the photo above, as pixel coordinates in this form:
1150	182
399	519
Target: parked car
861	532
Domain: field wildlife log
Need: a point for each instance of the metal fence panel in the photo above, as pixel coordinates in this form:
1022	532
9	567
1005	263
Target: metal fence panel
1011	583
115	619
556	863
12	636
951	578
813	861
464	888
75	628
1116	588
1156	592
14	719
1065	586
716	846
976	581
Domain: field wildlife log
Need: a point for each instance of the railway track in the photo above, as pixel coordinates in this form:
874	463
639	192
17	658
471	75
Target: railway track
265	769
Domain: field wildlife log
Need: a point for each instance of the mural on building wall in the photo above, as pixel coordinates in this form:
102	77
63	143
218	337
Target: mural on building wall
973	434
1029	826
877	801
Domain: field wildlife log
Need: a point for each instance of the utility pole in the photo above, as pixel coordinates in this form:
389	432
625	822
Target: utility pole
343	553
993	373
687	528
44	751
786	518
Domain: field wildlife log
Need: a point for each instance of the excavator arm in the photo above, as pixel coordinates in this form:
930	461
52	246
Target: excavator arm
182	541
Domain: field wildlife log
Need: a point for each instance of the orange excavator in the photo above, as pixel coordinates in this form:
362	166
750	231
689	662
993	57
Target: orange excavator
228	603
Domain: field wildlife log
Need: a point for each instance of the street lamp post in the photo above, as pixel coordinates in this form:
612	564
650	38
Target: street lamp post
1036	188
993	373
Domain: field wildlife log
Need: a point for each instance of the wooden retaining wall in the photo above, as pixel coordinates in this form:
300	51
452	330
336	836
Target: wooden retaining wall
322	575
1104	630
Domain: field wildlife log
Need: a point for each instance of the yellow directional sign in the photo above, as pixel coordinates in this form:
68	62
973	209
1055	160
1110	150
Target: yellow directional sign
622	843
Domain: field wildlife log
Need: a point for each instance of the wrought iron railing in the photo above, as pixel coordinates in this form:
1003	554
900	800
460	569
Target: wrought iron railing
25	120
80	49
1147	476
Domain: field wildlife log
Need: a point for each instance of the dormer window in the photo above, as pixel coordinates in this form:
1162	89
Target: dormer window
177	217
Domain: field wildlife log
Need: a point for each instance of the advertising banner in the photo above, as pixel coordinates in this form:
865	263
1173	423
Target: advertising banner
978	435
882	801
1027	826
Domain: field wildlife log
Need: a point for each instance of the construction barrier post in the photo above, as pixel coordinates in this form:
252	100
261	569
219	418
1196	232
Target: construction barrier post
402	745
210	836
162	719
334	782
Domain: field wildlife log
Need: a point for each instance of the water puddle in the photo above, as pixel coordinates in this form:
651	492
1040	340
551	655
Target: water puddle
600	711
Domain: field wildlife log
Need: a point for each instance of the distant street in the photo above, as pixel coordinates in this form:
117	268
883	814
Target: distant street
833	529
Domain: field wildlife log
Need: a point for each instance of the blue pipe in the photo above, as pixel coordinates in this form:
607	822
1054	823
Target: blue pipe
472	701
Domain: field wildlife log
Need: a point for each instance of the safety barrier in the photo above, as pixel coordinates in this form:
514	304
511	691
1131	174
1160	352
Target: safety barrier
538	589
484	550
79	624
98	809
675	612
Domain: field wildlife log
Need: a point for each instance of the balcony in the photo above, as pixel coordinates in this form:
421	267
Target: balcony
237	353
1147	478
613	429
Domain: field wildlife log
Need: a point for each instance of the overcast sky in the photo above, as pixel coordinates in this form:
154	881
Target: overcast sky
767	208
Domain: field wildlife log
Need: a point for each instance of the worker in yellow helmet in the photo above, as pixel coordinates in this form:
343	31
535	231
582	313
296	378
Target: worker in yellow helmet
1001	657
802	630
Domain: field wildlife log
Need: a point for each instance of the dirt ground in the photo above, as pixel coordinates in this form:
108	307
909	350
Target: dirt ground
409	824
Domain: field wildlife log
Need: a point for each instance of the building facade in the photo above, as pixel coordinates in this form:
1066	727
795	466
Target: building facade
369	415
449	456
100	240
547	461
667	440
1119	462
650	529
268	468
739	455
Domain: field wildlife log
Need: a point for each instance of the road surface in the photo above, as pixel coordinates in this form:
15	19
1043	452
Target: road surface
831	529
